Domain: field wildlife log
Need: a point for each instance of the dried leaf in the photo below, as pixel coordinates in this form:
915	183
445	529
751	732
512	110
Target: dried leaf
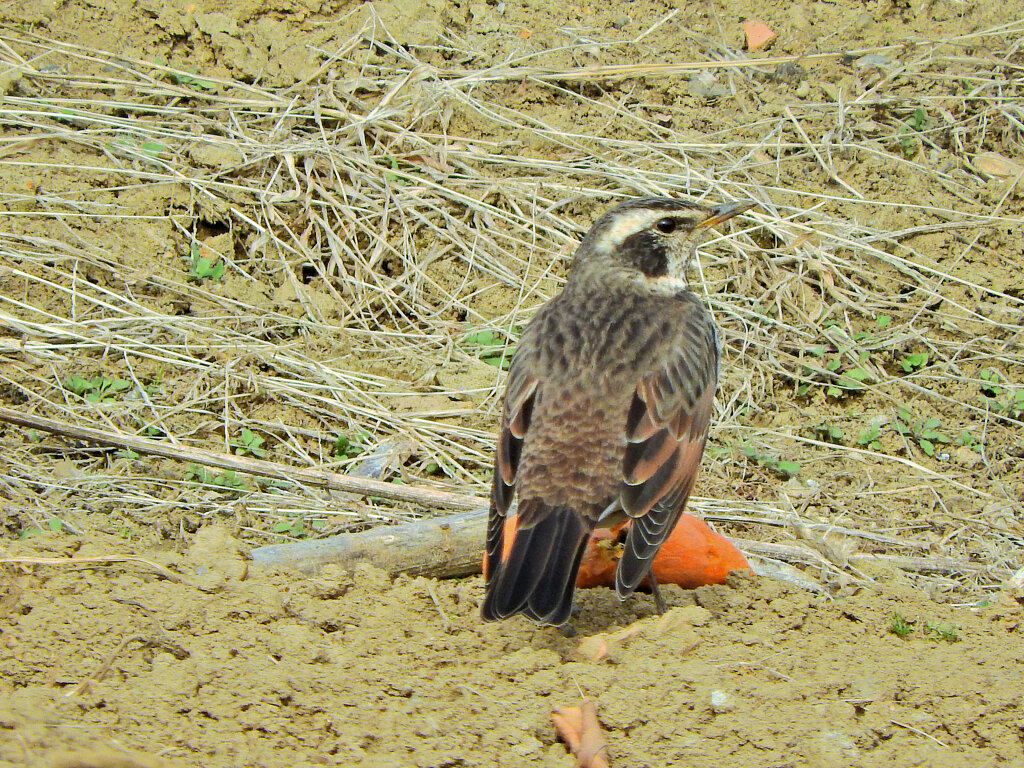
995	164
580	729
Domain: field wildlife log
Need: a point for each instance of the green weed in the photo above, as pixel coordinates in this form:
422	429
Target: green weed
493	347
946	632
204	267
249	443
909	132
899	626
836	372
99	389
868	437
780	466
914	362
223	481
999	396
346	447
924	432
967	440
827	433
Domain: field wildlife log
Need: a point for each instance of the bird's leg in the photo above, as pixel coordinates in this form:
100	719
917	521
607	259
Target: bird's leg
659	601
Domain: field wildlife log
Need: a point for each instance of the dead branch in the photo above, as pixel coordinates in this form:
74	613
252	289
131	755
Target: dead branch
428	497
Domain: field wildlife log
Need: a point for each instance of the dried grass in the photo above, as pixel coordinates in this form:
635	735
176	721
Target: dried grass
365	231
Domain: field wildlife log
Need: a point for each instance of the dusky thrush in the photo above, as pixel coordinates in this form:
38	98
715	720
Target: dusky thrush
606	410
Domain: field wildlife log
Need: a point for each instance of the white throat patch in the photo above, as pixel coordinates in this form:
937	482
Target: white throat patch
667	284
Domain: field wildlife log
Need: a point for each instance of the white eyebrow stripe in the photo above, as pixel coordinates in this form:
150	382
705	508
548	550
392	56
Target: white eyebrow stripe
628	223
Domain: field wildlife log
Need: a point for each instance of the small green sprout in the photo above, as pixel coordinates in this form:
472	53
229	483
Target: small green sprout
919	120
491	347
967	440
909	131
151	150
346	447
442	467
945	632
899	626
914	361
868	437
224	481
204	267
249	443
193	81
883	322
99	389
1003	400
782	467
828	433
296	528
836	372
390	176
924	432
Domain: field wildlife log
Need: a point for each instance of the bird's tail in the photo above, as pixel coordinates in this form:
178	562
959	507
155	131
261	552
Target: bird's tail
532	560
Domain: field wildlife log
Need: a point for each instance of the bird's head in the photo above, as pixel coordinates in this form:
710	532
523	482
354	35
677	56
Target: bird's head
651	239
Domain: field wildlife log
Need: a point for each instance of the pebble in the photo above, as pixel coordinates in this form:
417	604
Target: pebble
722	702
863	21
803	90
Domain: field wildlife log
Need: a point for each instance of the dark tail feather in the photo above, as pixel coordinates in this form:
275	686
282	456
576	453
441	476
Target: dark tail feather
538	576
645	537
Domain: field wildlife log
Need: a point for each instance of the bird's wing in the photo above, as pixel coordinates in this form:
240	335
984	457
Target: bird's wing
665	431
534	553
521	393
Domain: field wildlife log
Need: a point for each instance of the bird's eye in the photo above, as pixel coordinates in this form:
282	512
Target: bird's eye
667	226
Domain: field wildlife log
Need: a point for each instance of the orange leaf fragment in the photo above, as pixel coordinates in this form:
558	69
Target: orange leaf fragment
525	34
759	35
579	728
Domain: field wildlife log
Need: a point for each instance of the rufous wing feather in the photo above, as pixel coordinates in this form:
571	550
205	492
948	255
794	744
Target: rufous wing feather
515	421
666	431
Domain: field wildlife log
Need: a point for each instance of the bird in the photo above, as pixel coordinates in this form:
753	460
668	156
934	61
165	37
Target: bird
606	410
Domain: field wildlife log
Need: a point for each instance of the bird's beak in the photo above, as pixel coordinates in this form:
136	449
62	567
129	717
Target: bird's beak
724	212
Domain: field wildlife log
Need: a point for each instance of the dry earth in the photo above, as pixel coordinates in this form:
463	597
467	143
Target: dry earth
210	663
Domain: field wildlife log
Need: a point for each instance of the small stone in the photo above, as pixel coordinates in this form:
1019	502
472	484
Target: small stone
722	702
803	90
874	61
704	85
863	21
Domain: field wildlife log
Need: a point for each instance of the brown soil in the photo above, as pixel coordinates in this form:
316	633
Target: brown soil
115	665
354	669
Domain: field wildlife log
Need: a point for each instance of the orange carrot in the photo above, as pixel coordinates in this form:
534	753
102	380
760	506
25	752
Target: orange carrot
693	555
